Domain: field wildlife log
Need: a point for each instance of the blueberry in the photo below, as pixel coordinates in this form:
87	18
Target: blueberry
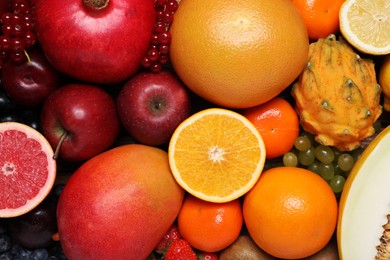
21	253
40	254
6	256
5	243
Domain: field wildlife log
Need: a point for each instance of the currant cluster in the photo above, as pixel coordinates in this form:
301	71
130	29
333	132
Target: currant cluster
158	53
17	34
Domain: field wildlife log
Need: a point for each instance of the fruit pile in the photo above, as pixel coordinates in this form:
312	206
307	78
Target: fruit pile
192	129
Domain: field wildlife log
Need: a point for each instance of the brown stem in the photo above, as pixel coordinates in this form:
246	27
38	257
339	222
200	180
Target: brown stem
58	148
96	4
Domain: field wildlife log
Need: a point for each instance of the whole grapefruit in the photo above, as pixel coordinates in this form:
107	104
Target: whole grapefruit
238	53
119	204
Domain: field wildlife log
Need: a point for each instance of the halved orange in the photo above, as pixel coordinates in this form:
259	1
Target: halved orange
216	155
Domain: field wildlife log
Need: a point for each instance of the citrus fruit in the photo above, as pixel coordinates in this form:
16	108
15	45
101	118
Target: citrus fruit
238	53
28	170
119	204
277	123
216	155
365	25
321	16
384	81
209	226
291	212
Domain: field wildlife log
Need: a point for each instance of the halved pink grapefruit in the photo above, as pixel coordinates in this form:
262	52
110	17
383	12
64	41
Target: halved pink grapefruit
27	169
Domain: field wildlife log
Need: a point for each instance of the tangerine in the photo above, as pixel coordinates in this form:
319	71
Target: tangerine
278	124
239	53
321	16
291	212
210	226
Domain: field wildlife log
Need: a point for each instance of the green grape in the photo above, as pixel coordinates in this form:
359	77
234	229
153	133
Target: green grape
337	183
306	157
324	154
314	167
337	169
290	159
326	171
302	143
345	162
336	152
357	153
310	136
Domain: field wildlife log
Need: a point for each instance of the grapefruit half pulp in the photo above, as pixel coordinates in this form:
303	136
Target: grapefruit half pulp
27	169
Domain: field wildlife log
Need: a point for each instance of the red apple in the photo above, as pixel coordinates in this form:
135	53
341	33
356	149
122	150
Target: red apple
84	117
30	83
151	106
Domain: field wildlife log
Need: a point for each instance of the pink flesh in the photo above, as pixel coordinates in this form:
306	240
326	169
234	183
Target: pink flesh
24	168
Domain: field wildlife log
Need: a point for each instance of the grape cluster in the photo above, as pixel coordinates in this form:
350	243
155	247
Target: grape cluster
17	33
330	163
158	53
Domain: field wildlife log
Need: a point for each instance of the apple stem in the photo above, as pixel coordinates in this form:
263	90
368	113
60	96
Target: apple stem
27	56
96	4
62	139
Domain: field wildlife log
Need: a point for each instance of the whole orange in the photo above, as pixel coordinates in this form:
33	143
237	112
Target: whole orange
291	212
277	123
210	226
321	16
238	53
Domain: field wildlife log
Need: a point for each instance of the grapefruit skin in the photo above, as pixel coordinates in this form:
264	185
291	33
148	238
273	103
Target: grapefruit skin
119	204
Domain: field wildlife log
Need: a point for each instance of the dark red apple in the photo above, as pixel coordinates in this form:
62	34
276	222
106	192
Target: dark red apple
95	41
30	83
35	228
151	106
84	117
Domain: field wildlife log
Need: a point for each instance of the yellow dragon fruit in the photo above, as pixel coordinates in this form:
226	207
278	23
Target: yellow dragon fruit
337	95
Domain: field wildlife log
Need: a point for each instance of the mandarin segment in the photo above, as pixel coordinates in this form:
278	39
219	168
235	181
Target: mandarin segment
216	154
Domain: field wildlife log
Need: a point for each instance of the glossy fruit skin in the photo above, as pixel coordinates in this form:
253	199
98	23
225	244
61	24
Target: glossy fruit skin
95	45
87	113
119	204
180	249
209	226
277	123
35	228
30	83
151	106
321	16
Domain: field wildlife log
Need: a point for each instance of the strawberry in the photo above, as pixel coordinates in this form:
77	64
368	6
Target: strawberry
171	235
207	256
180	249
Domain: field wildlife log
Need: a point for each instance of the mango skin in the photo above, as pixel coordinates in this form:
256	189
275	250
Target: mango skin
119	204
